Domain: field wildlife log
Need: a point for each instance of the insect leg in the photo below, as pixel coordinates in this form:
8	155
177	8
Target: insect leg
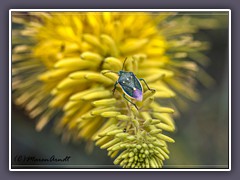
141	79
130	101
115	86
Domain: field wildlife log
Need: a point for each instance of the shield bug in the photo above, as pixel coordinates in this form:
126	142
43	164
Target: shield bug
130	84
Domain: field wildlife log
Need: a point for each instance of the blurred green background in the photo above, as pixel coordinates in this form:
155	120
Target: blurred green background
201	136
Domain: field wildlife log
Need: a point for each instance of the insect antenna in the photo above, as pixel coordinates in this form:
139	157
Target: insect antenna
124	63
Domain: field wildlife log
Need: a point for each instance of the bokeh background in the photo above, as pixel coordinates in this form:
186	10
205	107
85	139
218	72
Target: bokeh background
201	138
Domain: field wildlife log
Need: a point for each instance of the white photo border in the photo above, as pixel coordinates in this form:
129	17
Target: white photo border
119	10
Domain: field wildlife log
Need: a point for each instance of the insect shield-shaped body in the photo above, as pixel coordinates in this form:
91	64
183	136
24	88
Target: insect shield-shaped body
130	85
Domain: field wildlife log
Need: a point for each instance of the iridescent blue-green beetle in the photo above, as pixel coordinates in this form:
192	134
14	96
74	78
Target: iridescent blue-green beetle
130	85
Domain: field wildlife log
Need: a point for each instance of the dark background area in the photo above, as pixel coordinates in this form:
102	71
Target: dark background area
201	136
202	132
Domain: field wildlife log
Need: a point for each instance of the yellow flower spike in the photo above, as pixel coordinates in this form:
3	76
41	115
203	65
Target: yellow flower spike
161	86
18	20
136	123
123	117
131	138
115	147
152	64
54	91
59	100
164	94
153	163
129	66
91	57
124	162
101	93
96	77
102	140
159	109
133	45
165	138
164	118
148	94
134	111
147	163
130	160
107	17
87	116
112	63
145	116
72	60
71	104
35	112
205	78
123	155
163	153
159	155
111	45
188	93
114	154
147	122
122	135
155	122
165	127
105	102
160	75
93	19
67	32
72	111
112	76
139	58
97	95
104	127
32	104
155	52
43	121
21	48
77	96
110	143
110	114
53	75
165	150
158	144
68	83
23	98
158	161
94	41
100	110
117	161
108	129
146	152
114	132
155	131
90	128
154	73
